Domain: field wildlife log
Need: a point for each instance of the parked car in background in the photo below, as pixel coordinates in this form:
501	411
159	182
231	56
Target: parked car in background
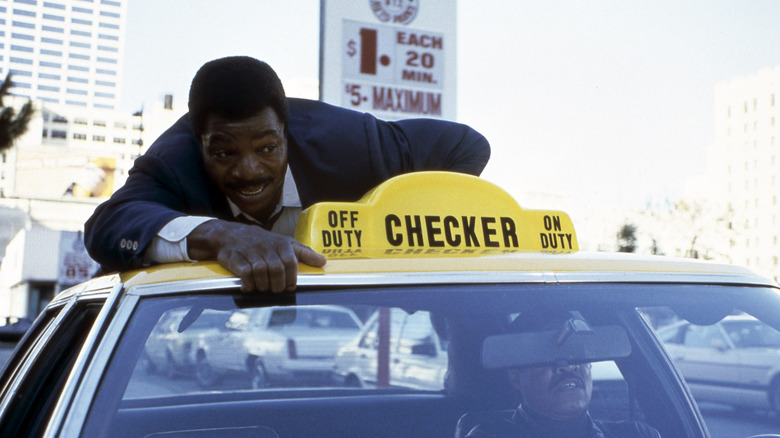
175	347
417	354
273	344
735	361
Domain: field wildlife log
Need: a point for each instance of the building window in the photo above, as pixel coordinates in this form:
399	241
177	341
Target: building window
106	72
110	3
109	26
24	49
78	68
118	140
51	52
108	49
48	88
51	41
105	95
53	29
80	33
20	73
100	123
79	136
80	21
107	60
51	64
78	92
23	25
53	5
80	121
59	134
77	56
82	10
78	80
100	138
105	83
81	45
21	60
48	76
24	13
22	36
53	17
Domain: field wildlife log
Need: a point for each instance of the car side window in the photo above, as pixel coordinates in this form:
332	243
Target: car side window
48	372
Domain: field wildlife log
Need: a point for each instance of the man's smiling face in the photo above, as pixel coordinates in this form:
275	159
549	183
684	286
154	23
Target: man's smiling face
247	160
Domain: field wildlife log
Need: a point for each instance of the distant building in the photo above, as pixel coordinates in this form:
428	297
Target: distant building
744	166
64	51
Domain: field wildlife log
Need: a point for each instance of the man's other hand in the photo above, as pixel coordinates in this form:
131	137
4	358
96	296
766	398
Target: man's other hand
264	261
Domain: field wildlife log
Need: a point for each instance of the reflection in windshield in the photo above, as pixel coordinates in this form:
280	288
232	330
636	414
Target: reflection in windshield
421	340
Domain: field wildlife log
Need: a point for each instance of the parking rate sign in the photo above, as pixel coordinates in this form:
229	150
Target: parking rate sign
392	66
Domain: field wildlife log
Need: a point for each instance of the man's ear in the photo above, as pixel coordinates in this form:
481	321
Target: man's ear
515	377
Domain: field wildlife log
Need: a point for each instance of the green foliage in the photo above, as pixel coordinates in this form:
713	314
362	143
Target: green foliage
12	125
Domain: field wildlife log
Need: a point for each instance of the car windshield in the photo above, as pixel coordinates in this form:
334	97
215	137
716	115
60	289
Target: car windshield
221	358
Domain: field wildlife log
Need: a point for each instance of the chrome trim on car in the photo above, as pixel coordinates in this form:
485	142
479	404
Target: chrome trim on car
467	277
24	369
72	399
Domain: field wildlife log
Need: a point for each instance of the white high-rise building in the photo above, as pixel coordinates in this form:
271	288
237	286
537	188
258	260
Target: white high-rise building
745	166
64	51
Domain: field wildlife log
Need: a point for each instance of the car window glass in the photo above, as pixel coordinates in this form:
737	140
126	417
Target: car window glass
721	377
705	337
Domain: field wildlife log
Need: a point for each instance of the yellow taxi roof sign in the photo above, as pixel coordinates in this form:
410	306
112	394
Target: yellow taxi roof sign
433	214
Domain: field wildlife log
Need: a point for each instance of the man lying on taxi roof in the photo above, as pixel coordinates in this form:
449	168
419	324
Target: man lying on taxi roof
555	398
228	180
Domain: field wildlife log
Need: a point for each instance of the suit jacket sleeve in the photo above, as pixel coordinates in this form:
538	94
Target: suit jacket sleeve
166	182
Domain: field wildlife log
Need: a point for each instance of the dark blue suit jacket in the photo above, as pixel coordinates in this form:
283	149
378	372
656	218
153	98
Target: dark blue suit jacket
334	154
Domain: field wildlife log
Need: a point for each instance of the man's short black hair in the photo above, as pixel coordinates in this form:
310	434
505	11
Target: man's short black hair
235	88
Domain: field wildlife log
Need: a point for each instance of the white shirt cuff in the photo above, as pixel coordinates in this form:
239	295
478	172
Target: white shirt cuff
170	244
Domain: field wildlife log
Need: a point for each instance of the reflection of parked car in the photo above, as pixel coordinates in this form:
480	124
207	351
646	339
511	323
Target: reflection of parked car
278	343
736	361
174	347
417	355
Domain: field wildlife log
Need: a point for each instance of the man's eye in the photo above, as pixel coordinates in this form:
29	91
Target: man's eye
269	148
220	154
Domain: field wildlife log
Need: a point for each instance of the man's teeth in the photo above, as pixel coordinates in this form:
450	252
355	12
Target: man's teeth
252	192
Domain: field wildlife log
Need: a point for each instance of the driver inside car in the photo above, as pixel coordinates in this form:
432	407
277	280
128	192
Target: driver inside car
555	397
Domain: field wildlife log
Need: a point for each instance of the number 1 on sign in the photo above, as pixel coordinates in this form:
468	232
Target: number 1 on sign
368	45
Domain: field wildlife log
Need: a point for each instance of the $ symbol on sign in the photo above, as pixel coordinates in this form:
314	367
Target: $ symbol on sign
352	50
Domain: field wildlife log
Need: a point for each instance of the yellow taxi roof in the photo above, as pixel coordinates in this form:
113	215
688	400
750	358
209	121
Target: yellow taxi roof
442	222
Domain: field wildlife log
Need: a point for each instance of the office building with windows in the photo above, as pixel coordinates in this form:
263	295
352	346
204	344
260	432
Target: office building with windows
744	166
64	51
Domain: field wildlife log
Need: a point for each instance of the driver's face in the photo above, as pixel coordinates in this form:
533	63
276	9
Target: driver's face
559	393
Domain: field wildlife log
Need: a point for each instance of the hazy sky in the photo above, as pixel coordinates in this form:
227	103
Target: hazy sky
598	100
